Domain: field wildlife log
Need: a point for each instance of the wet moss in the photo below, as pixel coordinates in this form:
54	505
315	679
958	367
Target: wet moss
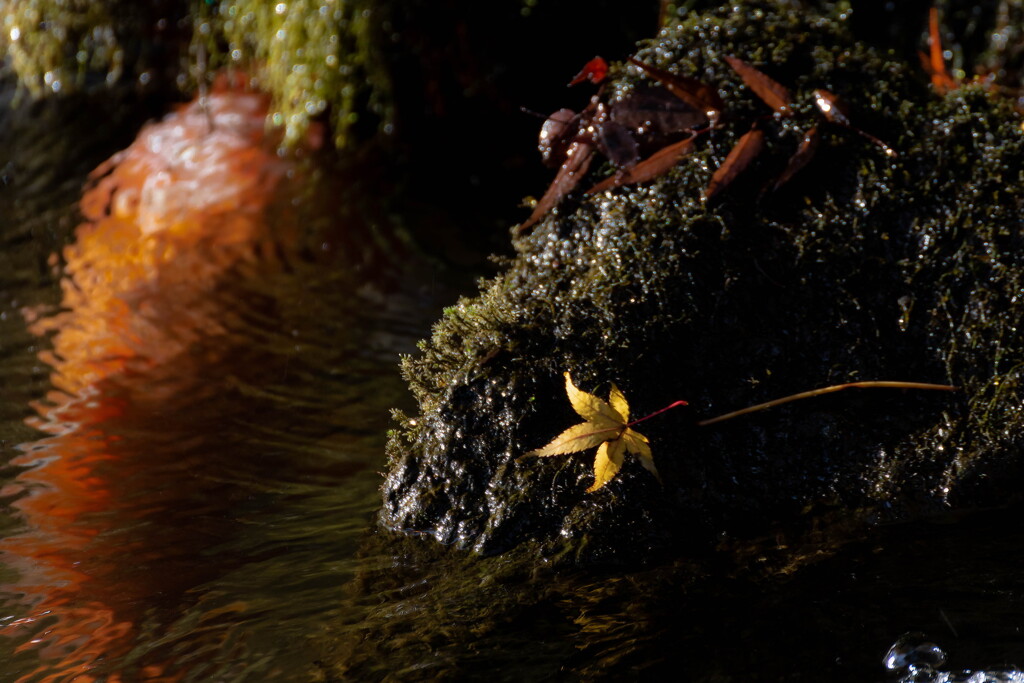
409	82
317	59
864	267
53	45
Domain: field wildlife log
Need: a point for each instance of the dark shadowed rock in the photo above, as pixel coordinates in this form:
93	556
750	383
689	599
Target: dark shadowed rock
863	267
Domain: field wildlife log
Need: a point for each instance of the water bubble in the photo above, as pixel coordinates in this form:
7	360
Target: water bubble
912	653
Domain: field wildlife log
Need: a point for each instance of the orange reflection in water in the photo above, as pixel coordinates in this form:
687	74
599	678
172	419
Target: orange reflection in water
192	198
197	198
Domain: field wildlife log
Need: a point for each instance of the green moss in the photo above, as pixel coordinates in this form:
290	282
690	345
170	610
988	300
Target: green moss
315	58
865	267
53	44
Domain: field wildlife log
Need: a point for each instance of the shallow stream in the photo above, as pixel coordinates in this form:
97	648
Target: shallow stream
194	522
214	520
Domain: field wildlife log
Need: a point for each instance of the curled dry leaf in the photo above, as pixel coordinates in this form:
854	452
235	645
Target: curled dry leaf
607	427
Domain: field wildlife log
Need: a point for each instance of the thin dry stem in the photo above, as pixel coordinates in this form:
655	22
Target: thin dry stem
826	390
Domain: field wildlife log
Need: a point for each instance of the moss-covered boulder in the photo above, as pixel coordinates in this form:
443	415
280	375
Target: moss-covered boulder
863	267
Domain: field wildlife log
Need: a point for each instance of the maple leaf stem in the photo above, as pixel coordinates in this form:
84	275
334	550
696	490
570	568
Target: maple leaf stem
819	392
658	412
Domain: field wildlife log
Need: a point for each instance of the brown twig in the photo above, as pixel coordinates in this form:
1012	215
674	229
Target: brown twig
826	390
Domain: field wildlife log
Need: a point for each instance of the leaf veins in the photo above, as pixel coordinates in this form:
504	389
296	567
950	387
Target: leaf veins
607	427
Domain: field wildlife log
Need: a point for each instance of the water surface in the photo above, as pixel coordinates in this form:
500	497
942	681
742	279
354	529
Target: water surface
186	479
211	518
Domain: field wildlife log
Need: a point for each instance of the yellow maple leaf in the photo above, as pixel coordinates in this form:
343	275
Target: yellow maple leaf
607	427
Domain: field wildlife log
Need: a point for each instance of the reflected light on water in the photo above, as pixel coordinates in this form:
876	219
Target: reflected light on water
167	218
118	503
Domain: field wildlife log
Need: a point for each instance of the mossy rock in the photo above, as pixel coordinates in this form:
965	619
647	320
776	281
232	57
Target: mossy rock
863	267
